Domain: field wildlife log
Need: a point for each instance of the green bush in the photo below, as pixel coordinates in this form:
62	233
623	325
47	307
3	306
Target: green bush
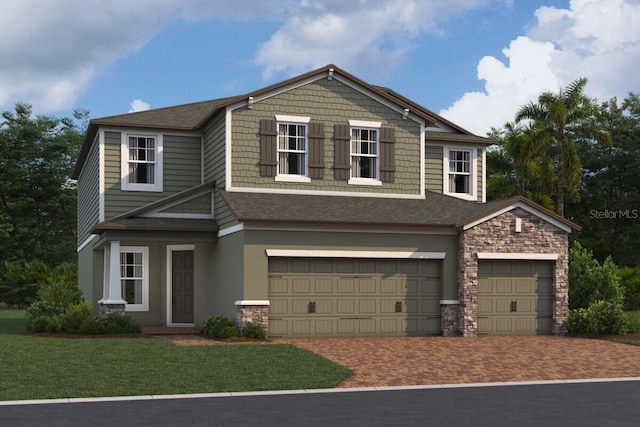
254	331
112	323
73	318
630	281
589	281
601	318
219	328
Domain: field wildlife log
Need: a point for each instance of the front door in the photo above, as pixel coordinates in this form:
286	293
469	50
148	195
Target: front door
182	287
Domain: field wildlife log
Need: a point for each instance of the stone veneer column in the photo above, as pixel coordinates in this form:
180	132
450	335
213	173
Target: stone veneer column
449	320
252	311
498	235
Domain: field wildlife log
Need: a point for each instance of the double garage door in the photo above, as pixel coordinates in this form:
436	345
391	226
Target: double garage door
515	297
332	297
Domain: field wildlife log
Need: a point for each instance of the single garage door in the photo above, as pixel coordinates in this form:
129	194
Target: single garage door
353	297
514	297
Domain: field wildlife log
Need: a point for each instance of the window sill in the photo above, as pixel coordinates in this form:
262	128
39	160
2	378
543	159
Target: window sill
365	181
135	307
141	187
292	178
463	196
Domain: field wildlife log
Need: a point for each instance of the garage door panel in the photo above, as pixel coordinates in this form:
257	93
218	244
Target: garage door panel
300	265
278	265
346	286
513	298
301	286
346	307
324	286
367	306
278	286
430	286
389	286
301	327
367	286
343	303
430	307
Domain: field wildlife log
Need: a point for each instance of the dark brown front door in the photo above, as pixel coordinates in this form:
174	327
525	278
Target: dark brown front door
182	287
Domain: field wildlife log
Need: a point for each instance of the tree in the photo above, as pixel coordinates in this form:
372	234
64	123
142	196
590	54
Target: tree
564	118
37	199
519	165
609	209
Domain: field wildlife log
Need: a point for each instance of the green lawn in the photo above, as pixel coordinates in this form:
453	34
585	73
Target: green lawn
45	368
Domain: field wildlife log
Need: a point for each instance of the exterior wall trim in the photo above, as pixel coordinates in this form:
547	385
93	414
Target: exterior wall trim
311	253
231	230
325	193
449	301
517	256
253	302
523	206
87	241
170	249
101	173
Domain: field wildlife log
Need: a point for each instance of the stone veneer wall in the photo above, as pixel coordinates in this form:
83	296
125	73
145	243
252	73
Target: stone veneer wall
252	312
498	234
111	308
449	319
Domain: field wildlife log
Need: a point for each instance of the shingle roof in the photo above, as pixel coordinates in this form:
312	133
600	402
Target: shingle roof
435	210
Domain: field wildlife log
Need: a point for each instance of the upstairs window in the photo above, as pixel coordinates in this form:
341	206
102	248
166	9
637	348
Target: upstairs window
292	149
460	180
365	152
141	162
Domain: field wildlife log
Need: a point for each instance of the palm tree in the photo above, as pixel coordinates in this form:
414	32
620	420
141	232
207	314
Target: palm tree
564	118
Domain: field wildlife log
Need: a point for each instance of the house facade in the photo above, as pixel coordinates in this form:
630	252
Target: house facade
318	206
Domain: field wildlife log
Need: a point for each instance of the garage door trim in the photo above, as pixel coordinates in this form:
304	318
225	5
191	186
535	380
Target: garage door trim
313	253
518	256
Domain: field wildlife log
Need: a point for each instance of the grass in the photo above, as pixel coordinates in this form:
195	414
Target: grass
46	368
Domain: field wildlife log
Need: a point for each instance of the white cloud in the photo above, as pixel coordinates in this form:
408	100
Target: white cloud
592	38
52	51
372	35
138	105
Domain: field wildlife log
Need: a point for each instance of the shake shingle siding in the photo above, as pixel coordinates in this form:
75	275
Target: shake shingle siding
331	103
89	194
181	167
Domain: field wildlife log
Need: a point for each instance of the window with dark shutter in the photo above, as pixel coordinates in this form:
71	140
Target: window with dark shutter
387	154
342	160
316	150
268	147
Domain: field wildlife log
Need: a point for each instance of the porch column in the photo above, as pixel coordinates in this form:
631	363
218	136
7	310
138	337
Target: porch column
112	301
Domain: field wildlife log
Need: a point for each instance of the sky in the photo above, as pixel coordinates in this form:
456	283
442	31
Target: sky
475	62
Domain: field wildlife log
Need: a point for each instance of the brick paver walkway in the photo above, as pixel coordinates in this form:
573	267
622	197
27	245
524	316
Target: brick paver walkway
380	362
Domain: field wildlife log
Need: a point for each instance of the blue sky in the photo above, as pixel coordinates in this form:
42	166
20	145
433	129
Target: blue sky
473	61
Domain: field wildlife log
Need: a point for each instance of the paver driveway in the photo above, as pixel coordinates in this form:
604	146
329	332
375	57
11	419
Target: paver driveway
378	362
439	360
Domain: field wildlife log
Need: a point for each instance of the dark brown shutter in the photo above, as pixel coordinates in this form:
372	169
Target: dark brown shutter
387	154
316	150
342	164
268	147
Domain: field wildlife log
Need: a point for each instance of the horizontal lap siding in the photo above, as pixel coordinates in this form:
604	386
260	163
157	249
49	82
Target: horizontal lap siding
329	103
181	164
89	194
214	167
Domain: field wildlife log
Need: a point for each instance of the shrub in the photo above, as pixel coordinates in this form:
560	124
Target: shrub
219	328
73	318
118	323
630	282
601	318
589	281
254	331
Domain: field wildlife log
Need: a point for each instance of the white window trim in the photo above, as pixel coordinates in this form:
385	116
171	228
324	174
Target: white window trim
124	163
293	120
363	124
145	277
473	172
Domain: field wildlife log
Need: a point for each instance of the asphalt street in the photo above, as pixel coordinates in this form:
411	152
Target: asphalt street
559	404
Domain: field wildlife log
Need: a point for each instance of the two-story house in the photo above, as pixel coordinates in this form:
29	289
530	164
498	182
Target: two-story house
319	206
